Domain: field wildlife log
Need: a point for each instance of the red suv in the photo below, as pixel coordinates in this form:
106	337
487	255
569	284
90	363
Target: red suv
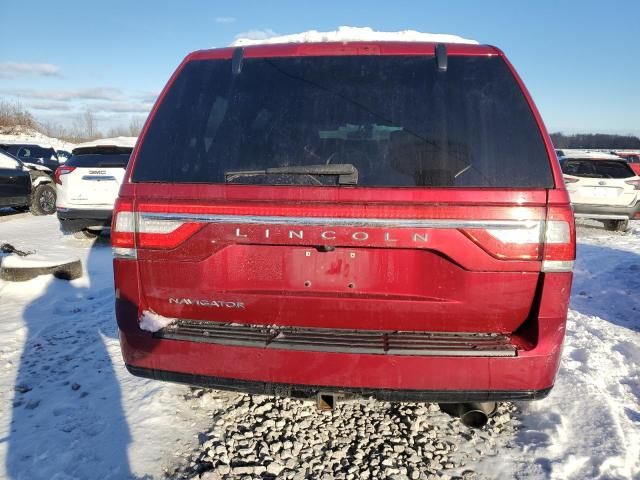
375	218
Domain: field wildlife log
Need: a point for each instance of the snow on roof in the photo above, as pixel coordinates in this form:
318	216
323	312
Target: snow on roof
591	155
124	142
355	34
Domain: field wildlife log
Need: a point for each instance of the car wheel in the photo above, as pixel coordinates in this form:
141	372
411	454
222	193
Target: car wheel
86	234
44	200
616	225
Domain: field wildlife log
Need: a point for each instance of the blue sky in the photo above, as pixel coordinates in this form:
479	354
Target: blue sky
579	59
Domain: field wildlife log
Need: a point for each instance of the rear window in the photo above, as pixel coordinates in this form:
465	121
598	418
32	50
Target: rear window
363	120
597	168
103	160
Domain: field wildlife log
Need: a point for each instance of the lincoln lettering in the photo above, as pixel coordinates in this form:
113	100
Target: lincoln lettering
357	236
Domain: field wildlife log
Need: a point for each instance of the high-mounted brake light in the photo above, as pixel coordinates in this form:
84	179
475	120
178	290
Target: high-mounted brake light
62	170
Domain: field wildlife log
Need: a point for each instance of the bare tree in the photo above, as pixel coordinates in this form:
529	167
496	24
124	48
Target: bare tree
118	131
14	114
90	124
135	126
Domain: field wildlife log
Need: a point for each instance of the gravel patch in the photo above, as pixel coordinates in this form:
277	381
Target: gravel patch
265	437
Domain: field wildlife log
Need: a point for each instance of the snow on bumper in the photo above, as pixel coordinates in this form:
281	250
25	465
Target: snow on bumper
152	322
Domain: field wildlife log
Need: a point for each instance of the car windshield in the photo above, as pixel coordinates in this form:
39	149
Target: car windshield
597	168
396	119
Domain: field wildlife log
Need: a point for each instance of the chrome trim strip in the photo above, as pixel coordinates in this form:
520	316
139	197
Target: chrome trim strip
338	221
601	215
125	253
99	178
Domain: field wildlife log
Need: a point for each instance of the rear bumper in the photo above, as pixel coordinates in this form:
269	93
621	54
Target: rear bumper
310	391
529	374
428	377
606	212
74	219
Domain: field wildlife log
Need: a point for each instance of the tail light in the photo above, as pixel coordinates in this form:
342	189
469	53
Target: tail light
559	240
63	170
551	240
131	230
634	182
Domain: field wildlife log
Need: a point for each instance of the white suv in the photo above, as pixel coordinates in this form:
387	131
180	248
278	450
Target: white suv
88	184
602	186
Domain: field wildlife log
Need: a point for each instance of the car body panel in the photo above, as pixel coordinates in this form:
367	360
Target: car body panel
90	188
15	182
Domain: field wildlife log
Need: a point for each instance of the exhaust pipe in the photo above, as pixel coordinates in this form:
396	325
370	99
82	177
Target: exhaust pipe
472	415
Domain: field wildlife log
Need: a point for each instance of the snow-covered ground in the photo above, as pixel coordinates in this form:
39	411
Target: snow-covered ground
70	410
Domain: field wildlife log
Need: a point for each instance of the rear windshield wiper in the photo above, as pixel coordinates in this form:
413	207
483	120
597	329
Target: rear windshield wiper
347	173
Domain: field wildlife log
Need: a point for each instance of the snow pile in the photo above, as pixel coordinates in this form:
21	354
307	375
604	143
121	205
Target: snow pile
356	34
37	260
68	407
152	322
20	134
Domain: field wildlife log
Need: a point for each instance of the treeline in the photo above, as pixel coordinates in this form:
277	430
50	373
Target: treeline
602	141
84	128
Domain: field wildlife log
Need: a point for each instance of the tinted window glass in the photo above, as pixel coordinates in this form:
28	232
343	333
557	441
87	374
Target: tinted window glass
397	120
113	160
36	152
597	168
12	149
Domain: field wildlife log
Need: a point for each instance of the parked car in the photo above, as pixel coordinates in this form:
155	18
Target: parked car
15	183
29	153
88	184
603	187
313	220
632	158
42	194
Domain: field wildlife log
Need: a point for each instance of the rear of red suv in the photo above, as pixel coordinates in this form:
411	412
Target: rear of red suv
384	219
